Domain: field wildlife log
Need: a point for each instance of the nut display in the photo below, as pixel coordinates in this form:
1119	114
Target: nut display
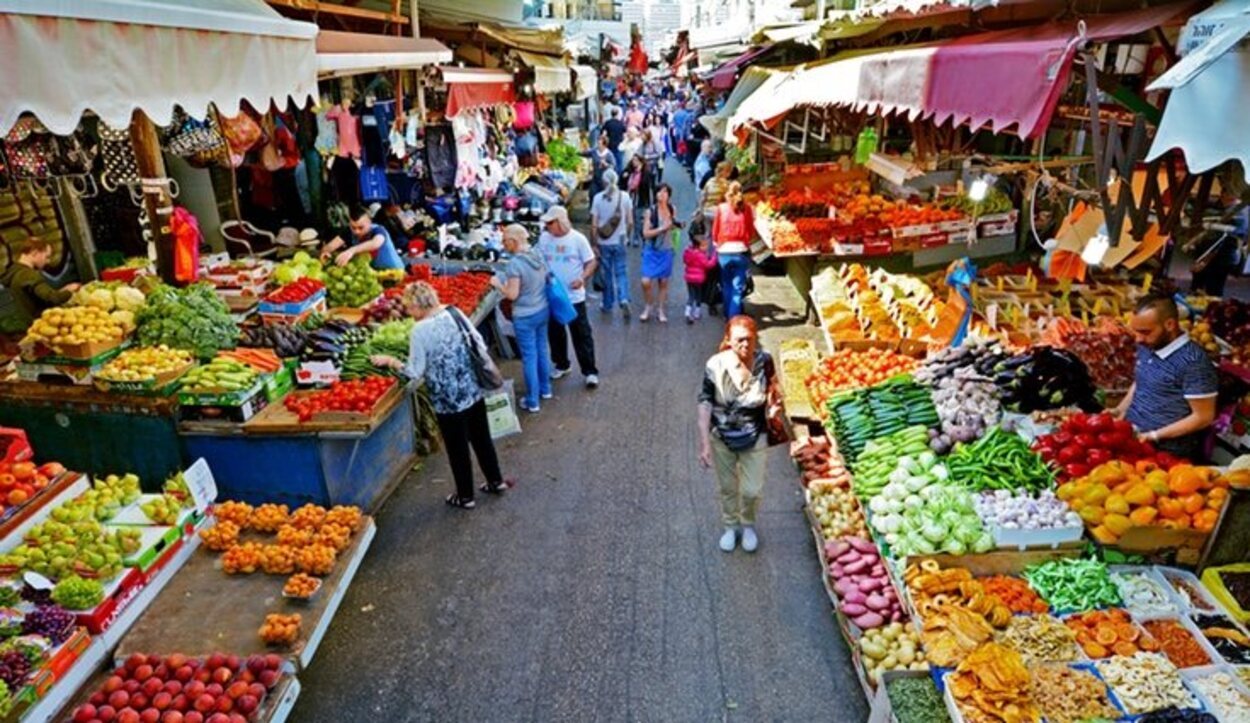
280	629
1145	682
1040	639
1068	695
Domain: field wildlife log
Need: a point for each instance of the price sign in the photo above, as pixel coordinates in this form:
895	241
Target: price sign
200	481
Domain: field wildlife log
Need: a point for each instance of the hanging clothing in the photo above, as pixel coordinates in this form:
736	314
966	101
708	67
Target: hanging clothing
348	130
345	181
440	155
470	133
312	170
327	134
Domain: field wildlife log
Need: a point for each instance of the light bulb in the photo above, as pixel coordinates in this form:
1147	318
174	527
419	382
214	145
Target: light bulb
978	189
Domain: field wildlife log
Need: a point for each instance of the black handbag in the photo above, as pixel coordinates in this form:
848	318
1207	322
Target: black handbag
484	369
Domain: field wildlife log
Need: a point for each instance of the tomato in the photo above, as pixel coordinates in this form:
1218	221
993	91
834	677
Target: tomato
1098	456
23	470
1070	454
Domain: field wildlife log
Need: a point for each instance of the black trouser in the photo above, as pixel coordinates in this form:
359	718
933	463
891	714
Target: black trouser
583	342
460	430
694	293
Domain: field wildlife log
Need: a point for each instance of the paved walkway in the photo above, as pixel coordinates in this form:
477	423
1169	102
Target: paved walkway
594	591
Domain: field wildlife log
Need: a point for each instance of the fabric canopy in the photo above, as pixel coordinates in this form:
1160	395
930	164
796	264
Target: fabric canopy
1009	79
587	82
551	74
64	57
717	123
723	78
340	54
470	88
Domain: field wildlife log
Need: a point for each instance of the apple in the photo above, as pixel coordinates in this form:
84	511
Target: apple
132	686
205	703
180	702
193	716
135	660
215	690
218	718
150	715
216	660
236	690
162	700
173	716
98	698
139	701
84	713
152	686
273	661
119	699
128	715
256	663
175	661
161	671
269	678
154	660
203	675
143	672
172	687
114	682
247	676
225	704
237	718
256	690
184	673
223	675
193	689
247	704
106	713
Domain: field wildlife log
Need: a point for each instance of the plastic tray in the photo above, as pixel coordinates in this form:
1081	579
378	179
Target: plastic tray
1214	585
1198	702
1194	632
1151	574
1189	675
305	599
1008	539
1171	573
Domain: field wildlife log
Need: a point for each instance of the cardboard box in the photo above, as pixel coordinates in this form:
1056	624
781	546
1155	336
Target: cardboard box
293	308
281	382
237	413
162	385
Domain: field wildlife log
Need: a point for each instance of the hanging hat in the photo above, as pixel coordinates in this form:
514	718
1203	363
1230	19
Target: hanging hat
308	235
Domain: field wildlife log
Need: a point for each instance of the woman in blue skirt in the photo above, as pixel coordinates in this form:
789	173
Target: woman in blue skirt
657	253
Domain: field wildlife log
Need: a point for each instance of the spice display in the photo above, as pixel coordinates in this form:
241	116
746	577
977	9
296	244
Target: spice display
1069	695
1226	701
1142	594
992	684
1014	593
1073	584
1228	640
1040	639
1111	632
892	647
916	700
1145	682
1177	643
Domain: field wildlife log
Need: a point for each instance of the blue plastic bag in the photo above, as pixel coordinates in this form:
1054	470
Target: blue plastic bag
562	309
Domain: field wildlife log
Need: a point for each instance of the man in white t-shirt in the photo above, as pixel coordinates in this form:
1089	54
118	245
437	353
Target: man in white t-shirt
572	260
613	211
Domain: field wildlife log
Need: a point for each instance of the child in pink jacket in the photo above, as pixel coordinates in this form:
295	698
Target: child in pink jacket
699	258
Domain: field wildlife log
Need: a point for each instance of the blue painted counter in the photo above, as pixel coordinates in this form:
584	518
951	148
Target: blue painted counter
325	468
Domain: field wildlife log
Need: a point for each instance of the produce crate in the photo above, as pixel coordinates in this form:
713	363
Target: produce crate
222	397
1214	584
1206	603
161	385
238	300
316	373
997	224
253	275
237	407
281	382
124	274
280	319
1186	545
294	308
153	541
84	355
932	241
118	593
76	374
1006	539
62	659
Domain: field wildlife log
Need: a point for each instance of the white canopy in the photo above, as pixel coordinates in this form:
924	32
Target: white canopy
551	74
63	57
1210	101
587	84
340	54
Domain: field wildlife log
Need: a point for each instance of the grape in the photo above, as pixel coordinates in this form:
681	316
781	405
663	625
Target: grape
77	593
13	668
51	621
35	595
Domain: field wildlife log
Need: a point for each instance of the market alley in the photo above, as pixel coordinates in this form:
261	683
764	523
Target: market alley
594	590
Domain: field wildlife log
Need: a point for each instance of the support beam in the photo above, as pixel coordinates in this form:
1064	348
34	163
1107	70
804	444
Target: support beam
156	199
315	6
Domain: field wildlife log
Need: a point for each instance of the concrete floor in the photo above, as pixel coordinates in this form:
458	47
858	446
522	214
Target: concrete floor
594	591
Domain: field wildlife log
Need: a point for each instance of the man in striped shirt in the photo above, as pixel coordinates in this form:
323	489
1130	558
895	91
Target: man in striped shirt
1172	400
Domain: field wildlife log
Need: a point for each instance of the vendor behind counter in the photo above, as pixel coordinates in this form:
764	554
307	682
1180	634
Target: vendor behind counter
32	293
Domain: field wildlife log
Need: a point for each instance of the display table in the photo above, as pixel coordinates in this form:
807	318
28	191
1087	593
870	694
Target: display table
96	432
273	458
206	611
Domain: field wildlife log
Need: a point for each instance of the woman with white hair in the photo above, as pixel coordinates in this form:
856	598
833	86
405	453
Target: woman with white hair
439	353
524	283
611	225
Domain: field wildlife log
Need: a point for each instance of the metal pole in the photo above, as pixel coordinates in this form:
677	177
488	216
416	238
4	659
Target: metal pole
413	10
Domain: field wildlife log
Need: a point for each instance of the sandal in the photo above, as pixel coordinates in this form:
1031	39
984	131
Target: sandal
497	488
464	503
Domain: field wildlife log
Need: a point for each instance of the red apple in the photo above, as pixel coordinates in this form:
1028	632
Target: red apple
152	686
162	700
246	704
216	660
269	678
172	687
194	689
273	661
173	716
233	662
98	698
106	713
215	690
139	701
150	715
132	686
119	699
128	715
218	718
245	675
203	675
225	704
256	663
84	713
193	716
256	690
113	683
175	661
237	718
184	673
134	661
223	675
180	702
205	703
154	660
236	690
143	672
161	671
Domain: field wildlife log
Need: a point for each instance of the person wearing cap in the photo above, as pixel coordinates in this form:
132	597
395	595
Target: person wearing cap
570	257
367	237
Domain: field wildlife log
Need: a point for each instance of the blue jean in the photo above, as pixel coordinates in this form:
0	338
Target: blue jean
615	274
733	281
531	336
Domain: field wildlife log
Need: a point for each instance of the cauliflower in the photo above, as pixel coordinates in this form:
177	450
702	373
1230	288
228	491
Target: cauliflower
128	298
124	317
100	298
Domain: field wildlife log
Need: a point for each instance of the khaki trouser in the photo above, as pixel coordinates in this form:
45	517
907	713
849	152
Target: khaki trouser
741	478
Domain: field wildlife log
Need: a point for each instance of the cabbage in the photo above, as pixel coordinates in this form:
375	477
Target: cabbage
953	547
933	531
984	542
128	298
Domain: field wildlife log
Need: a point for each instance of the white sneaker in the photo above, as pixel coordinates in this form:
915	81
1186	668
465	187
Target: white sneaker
750	542
592	381
560	373
548	396
729	540
698	312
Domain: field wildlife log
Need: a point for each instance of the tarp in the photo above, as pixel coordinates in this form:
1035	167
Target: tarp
718	123
551	74
1009	79
1210	101
63	57
469	88
340	54
723	77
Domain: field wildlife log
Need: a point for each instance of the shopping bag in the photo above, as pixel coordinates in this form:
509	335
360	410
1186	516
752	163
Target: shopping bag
562	309
501	411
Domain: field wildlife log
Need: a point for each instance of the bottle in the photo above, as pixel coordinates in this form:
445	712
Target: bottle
865	145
